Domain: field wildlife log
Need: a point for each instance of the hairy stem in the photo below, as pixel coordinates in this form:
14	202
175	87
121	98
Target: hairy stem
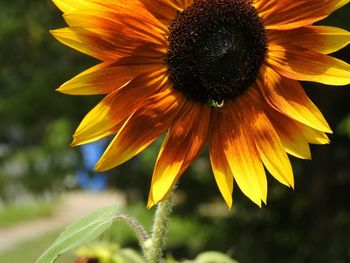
141	234
155	245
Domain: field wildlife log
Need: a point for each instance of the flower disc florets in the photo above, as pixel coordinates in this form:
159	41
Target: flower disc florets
216	48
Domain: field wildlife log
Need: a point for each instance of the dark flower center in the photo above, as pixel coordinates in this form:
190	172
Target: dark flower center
216	48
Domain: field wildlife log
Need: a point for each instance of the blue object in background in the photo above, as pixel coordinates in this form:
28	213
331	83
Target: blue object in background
87	178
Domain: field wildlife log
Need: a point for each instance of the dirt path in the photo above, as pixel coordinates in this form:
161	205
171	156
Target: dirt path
74	205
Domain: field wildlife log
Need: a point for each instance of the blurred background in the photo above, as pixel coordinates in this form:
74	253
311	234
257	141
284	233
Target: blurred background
45	184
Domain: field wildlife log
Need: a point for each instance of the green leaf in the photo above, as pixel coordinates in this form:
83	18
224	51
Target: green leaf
85	229
214	257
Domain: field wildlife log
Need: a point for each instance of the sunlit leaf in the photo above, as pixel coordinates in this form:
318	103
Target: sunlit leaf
84	230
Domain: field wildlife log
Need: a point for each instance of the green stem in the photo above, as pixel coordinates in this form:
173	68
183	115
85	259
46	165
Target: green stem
139	231
155	245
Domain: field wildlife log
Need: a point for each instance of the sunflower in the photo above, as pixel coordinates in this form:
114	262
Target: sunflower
219	72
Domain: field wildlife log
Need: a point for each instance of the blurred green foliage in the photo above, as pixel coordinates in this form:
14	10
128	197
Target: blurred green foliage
310	224
32	249
14	213
36	122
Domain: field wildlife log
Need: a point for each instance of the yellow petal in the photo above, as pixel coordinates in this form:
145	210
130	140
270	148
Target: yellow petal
86	41
314	136
108	77
241	153
67	6
101	32
222	172
72	5
110	24
323	39
268	143
183	143
340	3
303	64
289	14
141	128
104	119
290	134
288	97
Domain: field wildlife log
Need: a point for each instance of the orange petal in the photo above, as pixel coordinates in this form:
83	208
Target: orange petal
183	4
303	64
142	128
241	153
269	145
288	97
134	7
84	41
164	10
323	39
101	32
108	76
110	24
289	14
106	117
98	44
290	134
183	143
221	169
